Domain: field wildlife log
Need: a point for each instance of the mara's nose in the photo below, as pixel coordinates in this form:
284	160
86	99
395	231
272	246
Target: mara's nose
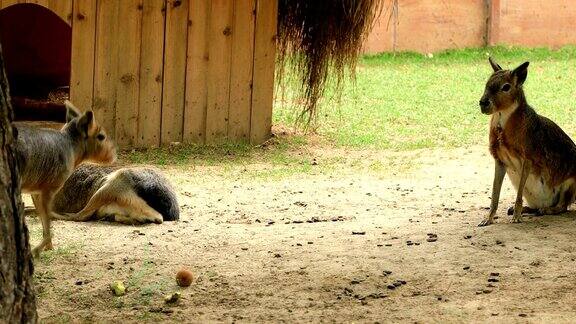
484	103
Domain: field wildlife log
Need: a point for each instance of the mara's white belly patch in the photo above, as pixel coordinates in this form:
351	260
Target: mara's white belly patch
537	194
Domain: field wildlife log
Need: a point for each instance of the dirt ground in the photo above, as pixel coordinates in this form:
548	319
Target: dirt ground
321	248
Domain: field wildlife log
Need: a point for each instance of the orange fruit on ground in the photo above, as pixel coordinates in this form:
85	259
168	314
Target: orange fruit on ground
184	278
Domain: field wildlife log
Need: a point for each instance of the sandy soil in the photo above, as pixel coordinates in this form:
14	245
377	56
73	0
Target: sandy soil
321	248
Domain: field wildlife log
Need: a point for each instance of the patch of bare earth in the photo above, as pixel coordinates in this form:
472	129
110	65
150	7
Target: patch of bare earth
344	246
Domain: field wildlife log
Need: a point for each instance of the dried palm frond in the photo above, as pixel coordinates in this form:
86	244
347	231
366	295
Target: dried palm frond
321	39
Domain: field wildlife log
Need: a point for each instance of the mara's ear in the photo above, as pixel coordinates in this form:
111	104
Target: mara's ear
86	123
71	111
495	66
520	73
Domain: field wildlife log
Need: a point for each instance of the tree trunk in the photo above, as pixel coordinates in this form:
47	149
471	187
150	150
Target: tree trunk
17	300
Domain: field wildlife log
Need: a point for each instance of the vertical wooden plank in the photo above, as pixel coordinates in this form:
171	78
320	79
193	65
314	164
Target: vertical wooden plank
43	3
83	46
241	70
494	22
129	39
63	8
151	65
8	3
196	72
264	61
220	48
106	64
174	86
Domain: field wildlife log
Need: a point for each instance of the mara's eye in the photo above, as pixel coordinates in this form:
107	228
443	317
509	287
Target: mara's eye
506	87
101	137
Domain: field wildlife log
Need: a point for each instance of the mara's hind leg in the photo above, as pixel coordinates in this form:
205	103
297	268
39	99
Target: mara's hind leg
526	166
130	210
566	199
137	210
115	194
525	210
99	199
555	210
29	211
43	202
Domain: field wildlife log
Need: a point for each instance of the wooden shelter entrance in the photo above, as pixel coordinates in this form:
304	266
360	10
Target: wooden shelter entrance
36	45
163	71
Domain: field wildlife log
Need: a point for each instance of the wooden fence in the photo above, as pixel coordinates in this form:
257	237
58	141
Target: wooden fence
428	25
163	71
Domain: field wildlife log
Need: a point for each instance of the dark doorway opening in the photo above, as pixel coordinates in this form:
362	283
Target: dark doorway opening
37	45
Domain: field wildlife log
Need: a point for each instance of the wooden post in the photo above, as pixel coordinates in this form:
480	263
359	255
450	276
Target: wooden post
151	68
241	70
196	72
128	78
174	87
220	49
106	64
264	65
493	23
83	47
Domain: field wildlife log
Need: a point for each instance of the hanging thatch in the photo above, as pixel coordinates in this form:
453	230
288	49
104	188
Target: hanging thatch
322	39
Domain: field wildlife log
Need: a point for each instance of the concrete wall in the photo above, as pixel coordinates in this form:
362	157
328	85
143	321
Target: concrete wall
429	25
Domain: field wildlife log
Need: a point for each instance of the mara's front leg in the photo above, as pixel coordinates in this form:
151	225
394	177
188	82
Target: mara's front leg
526	166
499	173
43	202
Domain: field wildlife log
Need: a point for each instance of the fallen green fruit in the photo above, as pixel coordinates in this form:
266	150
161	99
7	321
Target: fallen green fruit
118	288
172	298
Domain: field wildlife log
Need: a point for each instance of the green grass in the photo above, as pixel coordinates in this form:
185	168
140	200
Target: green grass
408	101
397	102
